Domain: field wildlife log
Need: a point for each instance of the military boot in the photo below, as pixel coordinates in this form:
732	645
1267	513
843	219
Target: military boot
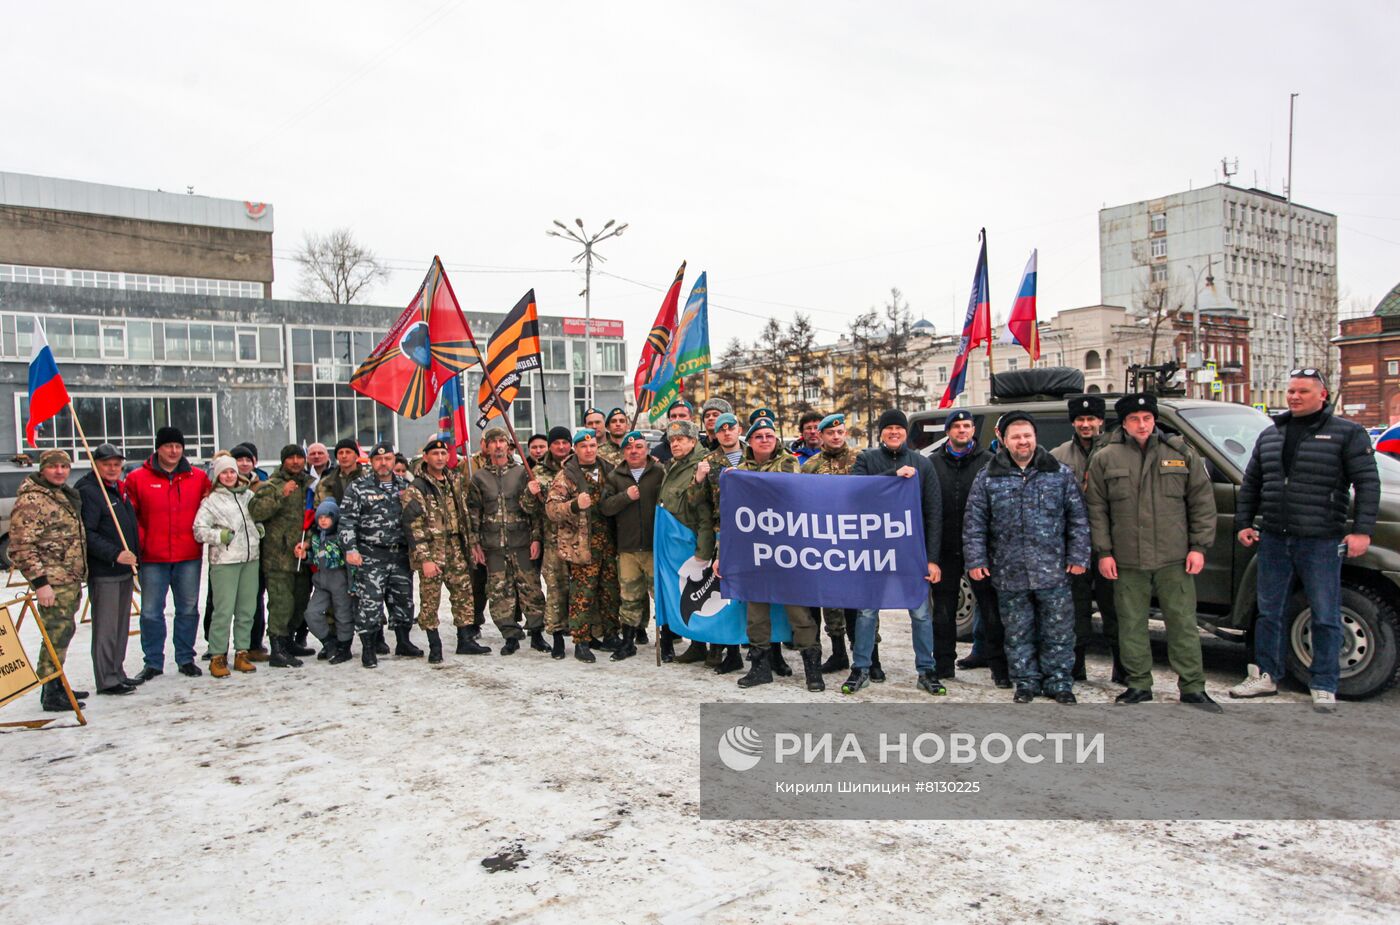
583	653
368	657
668	646
537	640
779	665
297	643
694	653
1119	676
607	643
714	656
282	656
760	672
839	660
342	653
733	660
512	646
403	646
877	674
380	646
434	647
557	650
628	648
1078	672
467	644
54	699
641	638
812	668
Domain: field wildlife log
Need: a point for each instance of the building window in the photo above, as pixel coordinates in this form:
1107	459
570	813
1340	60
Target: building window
1159	247
1092	363
608	356
127	421
1159	273
942	374
1011	364
324	408
1159	223
553	355
141	282
1392	368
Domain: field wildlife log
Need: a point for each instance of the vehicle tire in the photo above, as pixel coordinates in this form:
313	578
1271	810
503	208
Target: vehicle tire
1370	654
966	604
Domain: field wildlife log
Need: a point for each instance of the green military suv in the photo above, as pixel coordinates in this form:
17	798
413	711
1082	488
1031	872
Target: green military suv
1224	435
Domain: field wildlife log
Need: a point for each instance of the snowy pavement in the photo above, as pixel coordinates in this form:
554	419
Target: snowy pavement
498	789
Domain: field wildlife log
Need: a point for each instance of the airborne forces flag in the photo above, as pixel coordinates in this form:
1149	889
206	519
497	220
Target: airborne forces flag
658	340
514	350
429	344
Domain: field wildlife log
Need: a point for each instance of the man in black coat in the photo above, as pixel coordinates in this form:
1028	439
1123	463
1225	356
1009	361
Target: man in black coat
1300	481
957	463
110	567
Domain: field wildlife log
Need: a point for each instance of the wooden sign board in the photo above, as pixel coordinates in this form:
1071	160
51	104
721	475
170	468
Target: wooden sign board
17	675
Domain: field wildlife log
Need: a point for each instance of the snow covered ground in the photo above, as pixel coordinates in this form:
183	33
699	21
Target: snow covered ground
522	789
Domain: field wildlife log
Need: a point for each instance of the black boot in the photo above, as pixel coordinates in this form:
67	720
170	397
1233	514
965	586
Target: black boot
775	657
608	643
557	650
327	650
54	699
1119	675
583	653
627	648
1078	673
342	653
839	660
694	653
641	638
403	645
380	646
297	644
877	674
732	660
537	640
434	647
512	646
760	671
282	656
368	658
467	644
812	668
668	645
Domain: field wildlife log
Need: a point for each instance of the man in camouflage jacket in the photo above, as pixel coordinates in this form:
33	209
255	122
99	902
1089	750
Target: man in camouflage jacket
372	534
584	540
49	548
507	538
279	504
836	457
554	569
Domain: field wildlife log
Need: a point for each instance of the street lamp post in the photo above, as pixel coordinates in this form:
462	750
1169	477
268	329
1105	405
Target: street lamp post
586	256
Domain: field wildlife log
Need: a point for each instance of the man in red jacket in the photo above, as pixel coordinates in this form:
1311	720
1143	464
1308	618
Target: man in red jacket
166	492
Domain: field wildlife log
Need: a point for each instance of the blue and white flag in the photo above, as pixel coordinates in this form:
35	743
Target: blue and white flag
823	540
687	592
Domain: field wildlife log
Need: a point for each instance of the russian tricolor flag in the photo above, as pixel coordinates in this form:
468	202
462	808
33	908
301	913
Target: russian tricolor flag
47	393
1389	442
452	420
1021	325
977	326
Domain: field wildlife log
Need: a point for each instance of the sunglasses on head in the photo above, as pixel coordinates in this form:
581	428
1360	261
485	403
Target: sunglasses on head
1309	372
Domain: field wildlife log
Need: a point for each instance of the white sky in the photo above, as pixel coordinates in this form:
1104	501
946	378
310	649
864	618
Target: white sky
808	155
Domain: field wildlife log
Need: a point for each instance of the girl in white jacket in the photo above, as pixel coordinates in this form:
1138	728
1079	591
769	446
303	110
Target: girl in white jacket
225	526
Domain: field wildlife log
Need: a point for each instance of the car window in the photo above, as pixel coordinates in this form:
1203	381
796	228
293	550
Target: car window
1231	429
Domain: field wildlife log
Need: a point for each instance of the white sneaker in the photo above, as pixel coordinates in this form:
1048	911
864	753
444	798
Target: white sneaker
1324	701
1258	684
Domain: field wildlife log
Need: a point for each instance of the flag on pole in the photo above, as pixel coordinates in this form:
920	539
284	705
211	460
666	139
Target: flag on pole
1021	327
430	343
513	351
654	350
452	419
47	393
688	353
1389	442
977	326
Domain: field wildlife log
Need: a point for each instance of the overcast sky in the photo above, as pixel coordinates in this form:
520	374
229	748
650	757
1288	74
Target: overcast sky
808	155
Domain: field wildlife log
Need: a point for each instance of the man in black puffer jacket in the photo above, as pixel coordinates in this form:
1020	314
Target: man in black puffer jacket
1300	480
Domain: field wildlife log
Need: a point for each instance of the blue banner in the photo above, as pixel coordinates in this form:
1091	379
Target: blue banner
687	592
822	540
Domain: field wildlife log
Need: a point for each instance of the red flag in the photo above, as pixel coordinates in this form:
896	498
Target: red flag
429	344
654	350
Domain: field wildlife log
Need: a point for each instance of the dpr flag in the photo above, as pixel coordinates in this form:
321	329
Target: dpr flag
977	326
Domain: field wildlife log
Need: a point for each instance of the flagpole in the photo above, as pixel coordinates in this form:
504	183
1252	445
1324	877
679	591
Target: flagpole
105	497
544	398
991	361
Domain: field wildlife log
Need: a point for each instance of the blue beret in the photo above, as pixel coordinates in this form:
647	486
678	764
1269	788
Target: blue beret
582	434
760	424
726	418
831	420
632	435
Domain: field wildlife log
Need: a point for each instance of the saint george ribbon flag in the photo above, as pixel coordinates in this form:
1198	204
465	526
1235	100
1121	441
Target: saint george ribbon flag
823	541
1021	327
514	349
658	341
429	344
977	326
688	353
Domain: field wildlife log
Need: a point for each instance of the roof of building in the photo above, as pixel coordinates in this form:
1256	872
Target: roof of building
25	190
1390	305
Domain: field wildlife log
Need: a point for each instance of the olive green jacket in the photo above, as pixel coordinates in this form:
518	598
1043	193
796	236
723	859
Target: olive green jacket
282	518
690	508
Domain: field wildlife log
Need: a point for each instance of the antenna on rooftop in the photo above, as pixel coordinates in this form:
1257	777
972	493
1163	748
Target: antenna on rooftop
1229	168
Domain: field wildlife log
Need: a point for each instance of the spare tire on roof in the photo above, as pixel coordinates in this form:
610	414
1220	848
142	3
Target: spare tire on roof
1046	382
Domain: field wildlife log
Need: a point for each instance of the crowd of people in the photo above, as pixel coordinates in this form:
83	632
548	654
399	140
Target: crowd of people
557	545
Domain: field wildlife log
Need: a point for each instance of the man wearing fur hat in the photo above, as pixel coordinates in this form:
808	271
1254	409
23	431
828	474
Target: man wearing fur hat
678	410
709	414
48	546
279	504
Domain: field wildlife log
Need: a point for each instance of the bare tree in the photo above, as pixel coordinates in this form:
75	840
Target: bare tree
773	356
904	352
806	365
860	387
337	268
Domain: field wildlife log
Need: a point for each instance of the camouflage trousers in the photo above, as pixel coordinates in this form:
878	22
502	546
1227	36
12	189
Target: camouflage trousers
383	582
1039	637
287	596
58	624
456	574
556	587
593	591
635	578
512	583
